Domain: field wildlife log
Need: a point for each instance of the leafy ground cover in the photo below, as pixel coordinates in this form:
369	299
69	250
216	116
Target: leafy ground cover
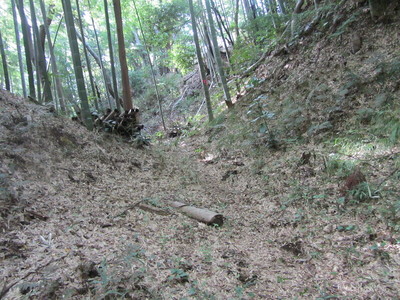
275	167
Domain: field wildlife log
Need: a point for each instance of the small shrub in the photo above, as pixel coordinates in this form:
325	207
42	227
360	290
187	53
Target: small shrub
361	192
341	168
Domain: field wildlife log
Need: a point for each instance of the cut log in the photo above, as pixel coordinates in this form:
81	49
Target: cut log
200	214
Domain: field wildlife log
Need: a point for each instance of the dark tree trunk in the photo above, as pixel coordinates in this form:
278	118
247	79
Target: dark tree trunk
76	58
4	62
20	62
26	36
40	59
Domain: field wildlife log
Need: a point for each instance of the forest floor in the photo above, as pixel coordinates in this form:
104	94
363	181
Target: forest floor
72	227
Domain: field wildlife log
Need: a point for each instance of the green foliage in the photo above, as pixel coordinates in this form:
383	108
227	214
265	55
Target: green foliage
196	122
386	123
388	71
339	167
107	281
159	135
346	228
260	117
139	80
183	54
345	25
361	192
244	55
162	21
168	87
265	29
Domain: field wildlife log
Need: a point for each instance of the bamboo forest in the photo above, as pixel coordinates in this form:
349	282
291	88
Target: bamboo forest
199	149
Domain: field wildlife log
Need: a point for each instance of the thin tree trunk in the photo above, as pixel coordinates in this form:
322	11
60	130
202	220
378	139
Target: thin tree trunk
54	68
89	67
35	50
282	6
221	32
248	10
26	36
254	8
76	58
151	67
126	88
272	11
218	59
201	63
40	59
20	62
110	48
208	42
4	62
222	24
207	51
100	62
237	6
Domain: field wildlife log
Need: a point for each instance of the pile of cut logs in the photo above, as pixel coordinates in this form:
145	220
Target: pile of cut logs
125	124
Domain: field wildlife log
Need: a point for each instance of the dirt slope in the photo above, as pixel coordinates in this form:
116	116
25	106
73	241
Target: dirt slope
68	231
70	228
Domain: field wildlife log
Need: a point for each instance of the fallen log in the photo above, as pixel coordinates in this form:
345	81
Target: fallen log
200	214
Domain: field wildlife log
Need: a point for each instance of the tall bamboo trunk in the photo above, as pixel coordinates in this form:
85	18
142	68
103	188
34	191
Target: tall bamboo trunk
201	63
88	65
20	62
126	88
26	37
76	59
103	72
218	59
4	62
111	51
40	59
54	68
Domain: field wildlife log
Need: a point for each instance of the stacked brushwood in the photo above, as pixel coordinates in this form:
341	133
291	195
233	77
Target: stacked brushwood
124	123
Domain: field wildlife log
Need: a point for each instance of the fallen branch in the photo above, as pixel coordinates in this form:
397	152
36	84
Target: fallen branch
153	209
254	66
134	205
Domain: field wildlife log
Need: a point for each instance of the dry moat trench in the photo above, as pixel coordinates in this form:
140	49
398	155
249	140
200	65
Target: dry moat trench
69	229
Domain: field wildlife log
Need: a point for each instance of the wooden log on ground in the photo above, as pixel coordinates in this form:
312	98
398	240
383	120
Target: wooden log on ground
200	214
